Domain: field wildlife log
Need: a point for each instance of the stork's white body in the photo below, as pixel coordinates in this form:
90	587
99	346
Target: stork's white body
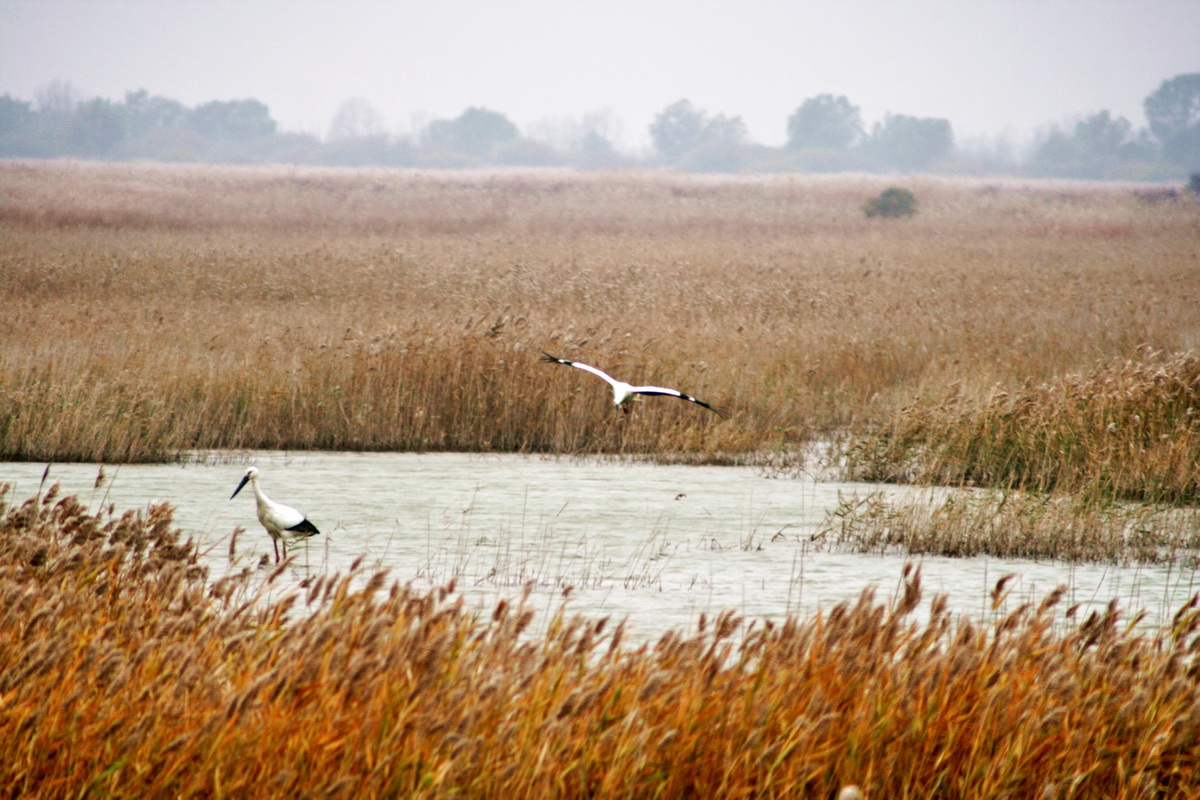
282	522
624	392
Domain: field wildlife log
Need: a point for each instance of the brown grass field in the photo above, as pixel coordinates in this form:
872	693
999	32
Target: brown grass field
123	674
1011	335
154	309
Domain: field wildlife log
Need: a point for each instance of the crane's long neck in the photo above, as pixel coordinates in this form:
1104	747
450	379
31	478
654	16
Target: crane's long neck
259	497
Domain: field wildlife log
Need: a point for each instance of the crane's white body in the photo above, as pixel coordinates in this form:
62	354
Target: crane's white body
624	392
282	522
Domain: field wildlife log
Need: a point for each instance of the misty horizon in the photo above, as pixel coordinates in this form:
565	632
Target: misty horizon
557	131
996	70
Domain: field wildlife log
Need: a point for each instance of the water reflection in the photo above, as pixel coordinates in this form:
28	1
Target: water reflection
657	545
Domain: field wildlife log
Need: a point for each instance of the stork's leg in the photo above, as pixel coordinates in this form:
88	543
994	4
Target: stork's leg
275	543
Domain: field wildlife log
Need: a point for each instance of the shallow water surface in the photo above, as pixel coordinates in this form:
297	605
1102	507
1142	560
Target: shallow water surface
654	545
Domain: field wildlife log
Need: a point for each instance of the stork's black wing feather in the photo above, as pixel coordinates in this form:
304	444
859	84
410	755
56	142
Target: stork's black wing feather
304	526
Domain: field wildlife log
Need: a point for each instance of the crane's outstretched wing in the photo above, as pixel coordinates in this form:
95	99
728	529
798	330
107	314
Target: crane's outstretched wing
675	393
586	367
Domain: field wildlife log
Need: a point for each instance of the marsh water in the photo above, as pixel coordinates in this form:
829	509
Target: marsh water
651	544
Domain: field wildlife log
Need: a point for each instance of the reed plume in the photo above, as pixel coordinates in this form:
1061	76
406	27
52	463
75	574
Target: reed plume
122	673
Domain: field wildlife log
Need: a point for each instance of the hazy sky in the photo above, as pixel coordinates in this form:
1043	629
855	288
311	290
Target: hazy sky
989	66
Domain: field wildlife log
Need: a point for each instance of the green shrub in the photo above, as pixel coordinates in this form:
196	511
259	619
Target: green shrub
892	202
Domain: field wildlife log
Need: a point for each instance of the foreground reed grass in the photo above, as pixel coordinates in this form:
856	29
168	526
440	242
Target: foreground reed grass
150	310
1129	430
123	675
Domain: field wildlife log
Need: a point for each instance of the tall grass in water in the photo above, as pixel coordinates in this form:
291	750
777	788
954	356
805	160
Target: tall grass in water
122	676
150	309
1129	430
1017	525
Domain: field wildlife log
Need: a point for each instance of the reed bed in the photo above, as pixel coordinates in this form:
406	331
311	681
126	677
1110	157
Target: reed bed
1016	525
154	309
123	674
1123	431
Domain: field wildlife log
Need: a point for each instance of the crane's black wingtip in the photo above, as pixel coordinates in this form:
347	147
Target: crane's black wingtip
552	359
305	528
720	412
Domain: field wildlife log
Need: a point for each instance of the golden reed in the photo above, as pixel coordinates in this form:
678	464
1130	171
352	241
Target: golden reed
123	674
154	309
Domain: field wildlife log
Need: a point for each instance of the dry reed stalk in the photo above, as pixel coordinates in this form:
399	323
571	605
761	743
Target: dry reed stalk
120	674
152	309
1019	525
1129	429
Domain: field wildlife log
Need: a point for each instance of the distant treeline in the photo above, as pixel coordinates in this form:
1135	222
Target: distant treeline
824	134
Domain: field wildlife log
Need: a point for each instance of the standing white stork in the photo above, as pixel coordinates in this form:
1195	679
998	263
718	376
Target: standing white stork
623	392
282	522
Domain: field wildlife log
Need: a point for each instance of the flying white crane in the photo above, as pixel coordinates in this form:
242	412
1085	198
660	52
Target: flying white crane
282	522
623	392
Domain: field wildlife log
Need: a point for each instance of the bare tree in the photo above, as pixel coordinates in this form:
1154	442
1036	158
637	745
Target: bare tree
57	98
355	118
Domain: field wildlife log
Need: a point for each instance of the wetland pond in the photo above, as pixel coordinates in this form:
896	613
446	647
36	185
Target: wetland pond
654	545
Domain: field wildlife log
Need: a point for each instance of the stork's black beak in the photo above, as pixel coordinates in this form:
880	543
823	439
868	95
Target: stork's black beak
245	480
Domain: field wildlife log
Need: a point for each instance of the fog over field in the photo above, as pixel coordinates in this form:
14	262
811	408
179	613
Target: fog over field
990	68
